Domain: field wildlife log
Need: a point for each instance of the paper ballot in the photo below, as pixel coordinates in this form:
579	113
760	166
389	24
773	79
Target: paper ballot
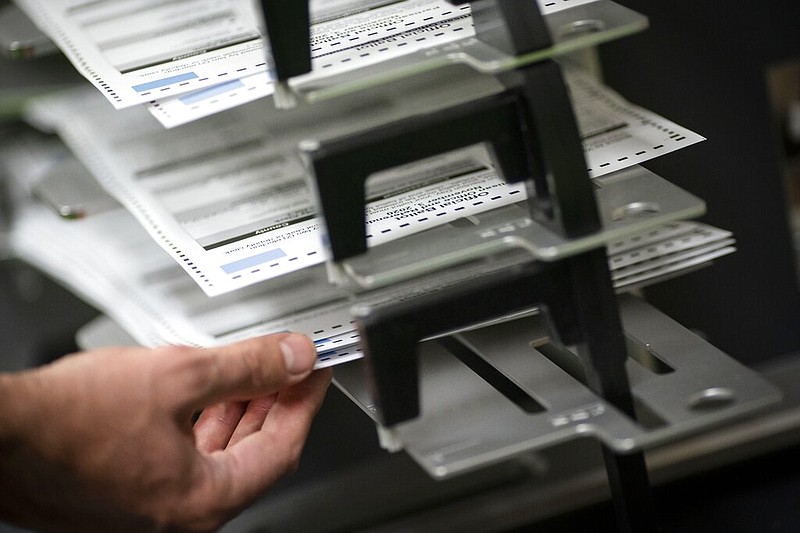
143	51
108	258
110	261
215	237
229	199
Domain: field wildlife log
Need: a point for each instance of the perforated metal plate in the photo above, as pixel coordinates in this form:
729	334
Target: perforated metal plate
681	384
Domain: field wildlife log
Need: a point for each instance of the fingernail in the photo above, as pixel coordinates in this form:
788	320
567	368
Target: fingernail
299	354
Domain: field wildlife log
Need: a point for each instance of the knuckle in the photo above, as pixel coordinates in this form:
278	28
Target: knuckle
292	459
190	370
254	363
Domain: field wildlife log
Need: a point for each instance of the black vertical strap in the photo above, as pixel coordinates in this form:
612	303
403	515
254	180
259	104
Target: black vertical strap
630	490
604	348
603	338
288	27
564	197
515	27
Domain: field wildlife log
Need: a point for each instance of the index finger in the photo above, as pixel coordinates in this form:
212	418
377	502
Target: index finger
241	472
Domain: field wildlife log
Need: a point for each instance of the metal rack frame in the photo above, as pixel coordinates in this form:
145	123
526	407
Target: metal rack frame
532	135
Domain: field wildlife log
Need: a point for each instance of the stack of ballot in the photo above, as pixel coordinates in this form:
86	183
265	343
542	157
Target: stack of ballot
189	59
203	232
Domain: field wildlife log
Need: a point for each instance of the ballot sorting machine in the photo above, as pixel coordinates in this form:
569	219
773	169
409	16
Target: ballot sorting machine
521	340
504	332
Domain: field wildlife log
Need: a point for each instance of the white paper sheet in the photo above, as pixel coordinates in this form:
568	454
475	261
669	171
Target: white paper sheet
227	197
108	259
135	51
112	263
341	47
231	206
138	51
617	133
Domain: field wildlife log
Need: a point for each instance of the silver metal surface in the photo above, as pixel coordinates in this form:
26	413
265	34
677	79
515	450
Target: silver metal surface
681	385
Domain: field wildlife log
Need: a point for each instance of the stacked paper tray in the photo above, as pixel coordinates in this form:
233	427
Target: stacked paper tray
217	237
201	57
108	258
230	201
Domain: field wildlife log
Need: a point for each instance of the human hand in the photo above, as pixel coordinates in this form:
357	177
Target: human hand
104	440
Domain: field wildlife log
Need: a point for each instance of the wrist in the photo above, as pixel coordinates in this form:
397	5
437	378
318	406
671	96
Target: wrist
13	397
15	443
8	422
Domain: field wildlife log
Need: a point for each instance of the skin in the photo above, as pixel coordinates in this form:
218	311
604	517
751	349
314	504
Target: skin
104	440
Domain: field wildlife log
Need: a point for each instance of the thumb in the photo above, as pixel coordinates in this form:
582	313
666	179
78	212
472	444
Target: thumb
245	369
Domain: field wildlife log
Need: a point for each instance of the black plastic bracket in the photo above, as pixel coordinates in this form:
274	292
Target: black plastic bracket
577	297
532	135
288	27
570	293
390	335
537	100
342	166
517	27
561	194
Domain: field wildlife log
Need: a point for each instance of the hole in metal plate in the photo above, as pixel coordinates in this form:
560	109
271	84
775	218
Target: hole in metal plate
635	210
573	365
711	399
581	27
491	375
644	354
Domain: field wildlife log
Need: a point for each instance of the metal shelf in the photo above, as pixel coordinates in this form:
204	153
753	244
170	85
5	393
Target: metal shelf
631	202
681	385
